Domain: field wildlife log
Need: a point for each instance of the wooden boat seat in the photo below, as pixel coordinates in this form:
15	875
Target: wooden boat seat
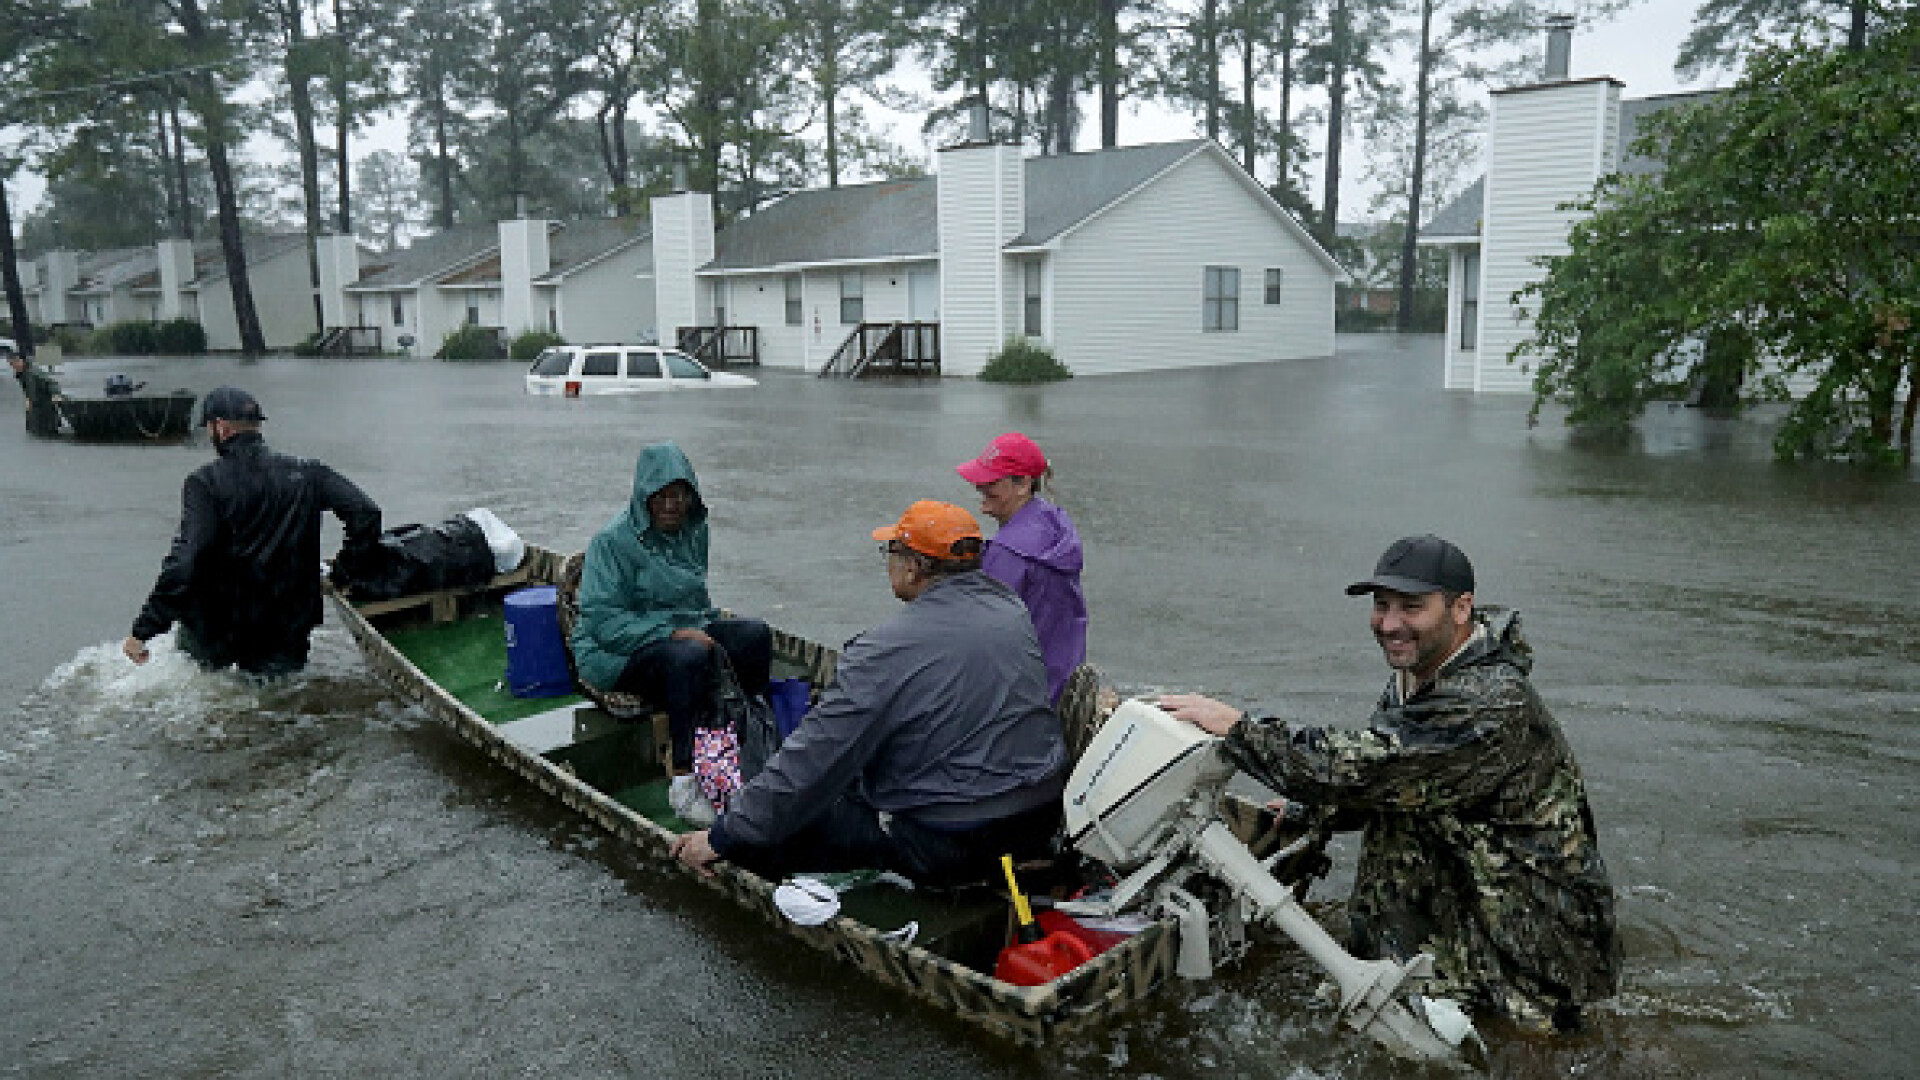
631	708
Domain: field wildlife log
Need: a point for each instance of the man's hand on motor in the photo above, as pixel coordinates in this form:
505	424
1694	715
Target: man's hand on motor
1210	716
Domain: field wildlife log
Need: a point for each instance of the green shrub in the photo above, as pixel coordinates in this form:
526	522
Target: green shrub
180	337
72	341
309	346
130	338
529	345
1020	361
471	342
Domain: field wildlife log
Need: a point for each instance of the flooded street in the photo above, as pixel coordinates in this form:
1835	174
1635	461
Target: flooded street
205	877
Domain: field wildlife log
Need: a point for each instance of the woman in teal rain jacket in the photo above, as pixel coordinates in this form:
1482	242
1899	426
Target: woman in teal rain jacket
646	623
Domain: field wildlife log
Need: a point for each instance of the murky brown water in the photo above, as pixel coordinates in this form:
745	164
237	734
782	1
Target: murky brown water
205	878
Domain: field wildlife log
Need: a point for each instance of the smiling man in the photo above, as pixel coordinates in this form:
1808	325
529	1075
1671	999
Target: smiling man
1479	845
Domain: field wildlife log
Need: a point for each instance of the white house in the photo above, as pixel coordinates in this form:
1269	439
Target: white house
586	280
176	279
1547	145
1134	259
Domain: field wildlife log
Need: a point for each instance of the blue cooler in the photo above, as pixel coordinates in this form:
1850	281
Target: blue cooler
536	657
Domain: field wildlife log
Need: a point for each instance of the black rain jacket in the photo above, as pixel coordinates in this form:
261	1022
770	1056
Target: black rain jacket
243	576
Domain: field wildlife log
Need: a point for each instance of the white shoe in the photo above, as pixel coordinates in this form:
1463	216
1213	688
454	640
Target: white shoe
688	803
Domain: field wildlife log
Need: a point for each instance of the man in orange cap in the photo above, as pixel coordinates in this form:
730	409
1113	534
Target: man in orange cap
934	753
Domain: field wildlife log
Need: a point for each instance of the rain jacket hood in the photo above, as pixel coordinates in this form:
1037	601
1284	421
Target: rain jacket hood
639	584
661	464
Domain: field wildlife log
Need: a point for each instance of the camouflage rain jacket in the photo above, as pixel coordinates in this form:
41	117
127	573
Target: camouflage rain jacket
1479	845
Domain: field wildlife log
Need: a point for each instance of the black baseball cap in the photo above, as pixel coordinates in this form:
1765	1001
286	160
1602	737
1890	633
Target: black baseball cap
1419	565
231	403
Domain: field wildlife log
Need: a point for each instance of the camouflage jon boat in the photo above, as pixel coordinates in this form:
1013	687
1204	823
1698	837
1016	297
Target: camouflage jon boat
446	651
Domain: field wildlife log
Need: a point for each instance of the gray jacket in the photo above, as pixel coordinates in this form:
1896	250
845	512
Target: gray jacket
939	714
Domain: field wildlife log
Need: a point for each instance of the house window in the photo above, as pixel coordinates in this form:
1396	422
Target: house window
1033	310
793	300
1274	276
399	311
1220	306
473	312
853	302
1470	301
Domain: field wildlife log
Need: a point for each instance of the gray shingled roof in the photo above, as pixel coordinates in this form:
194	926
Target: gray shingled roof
887	220
1631	115
1459	219
101	272
896	219
583	242
210	261
1065	190
429	256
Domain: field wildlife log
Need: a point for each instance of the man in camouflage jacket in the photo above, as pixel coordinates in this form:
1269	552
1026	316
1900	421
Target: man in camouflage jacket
1479	845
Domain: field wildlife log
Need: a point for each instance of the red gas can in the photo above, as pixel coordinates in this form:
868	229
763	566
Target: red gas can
1041	961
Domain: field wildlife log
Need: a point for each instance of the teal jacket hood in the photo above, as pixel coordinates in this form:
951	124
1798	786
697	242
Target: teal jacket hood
640	584
661	464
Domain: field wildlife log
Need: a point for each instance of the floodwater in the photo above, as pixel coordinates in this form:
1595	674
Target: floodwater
204	877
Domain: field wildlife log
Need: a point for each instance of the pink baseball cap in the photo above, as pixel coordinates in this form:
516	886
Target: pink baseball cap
1012	454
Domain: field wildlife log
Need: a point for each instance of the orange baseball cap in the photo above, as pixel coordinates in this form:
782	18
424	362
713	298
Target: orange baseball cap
935	529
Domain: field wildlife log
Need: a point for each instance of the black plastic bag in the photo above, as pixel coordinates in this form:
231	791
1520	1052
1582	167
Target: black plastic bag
413	559
750	717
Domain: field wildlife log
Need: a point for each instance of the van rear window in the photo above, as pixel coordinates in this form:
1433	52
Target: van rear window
552	363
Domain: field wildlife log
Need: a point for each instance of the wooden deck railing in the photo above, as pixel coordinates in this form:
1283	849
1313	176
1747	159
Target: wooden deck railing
887	349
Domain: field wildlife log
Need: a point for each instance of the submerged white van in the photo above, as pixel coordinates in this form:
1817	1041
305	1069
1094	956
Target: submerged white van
576	370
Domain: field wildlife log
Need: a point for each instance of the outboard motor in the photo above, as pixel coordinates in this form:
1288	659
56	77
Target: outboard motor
119	385
1142	800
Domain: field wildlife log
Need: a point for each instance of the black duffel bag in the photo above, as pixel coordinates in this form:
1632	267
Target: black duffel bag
413	559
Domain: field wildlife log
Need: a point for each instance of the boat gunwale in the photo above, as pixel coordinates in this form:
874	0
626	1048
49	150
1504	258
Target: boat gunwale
1090	993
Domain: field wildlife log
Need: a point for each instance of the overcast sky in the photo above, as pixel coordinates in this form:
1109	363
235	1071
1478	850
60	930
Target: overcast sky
1638	48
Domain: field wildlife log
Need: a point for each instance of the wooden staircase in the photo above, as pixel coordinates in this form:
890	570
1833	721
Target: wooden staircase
887	350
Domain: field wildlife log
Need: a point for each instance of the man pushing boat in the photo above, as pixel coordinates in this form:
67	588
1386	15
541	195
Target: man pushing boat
933	754
1479	844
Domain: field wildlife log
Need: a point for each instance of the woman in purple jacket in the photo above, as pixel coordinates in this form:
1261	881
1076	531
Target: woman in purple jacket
1036	553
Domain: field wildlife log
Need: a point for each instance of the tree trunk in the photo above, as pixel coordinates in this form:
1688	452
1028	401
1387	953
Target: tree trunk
1857	26
300	95
1906	415
252	342
212	109
1249	112
164	149
1109	74
180	166
10	270
1060	108
443	157
1284	160
1336	119
1210	61
1403	319
343	120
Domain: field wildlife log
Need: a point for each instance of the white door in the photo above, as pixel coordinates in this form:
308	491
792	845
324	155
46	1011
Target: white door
923	295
